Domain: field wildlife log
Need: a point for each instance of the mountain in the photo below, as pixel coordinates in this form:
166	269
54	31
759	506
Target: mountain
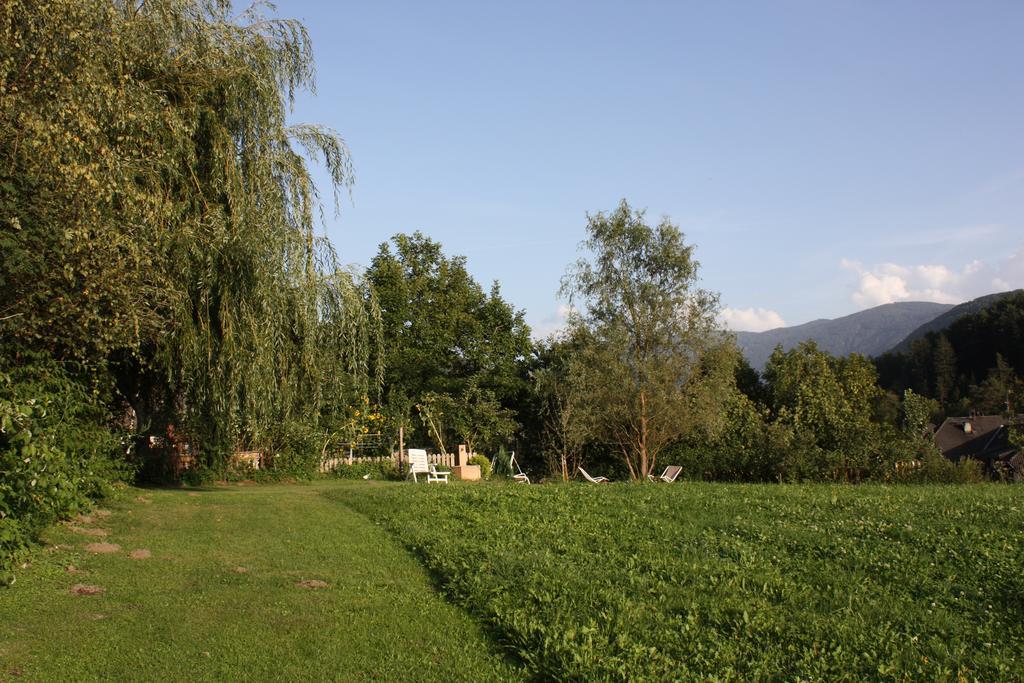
946	319
869	332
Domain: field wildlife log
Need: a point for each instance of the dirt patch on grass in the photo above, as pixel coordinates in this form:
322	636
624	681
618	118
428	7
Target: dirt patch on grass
143	499
72	569
85	519
312	584
102	514
240	570
141	554
86	589
90	531
103	548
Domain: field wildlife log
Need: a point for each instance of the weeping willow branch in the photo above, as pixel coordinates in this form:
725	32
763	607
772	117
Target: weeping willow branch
268	329
158	192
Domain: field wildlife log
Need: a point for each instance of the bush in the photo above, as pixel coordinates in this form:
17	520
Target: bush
502	463
57	451
200	475
483	463
938	469
381	469
296	448
37	486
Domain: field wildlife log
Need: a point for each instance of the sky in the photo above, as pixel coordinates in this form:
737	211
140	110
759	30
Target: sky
824	156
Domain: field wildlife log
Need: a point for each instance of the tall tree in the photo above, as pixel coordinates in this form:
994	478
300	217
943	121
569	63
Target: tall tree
652	362
1000	392
447	336
159	213
944	370
558	404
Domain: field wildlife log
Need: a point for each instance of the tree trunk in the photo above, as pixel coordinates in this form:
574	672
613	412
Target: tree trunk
644	471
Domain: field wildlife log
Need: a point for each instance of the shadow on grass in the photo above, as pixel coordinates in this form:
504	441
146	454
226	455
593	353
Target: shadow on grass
507	650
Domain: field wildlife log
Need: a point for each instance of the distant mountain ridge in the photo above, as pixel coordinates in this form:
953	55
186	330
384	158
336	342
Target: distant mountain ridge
870	332
946	319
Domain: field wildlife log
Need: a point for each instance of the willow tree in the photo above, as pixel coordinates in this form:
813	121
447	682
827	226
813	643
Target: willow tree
164	206
651	364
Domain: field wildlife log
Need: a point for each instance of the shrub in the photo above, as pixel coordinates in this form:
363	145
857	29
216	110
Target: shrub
501	465
200	475
379	469
296	448
483	463
938	469
57	451
37	486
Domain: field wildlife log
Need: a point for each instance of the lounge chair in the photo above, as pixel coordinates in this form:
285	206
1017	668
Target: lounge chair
668	476
520	476
435	474
593	480
418	465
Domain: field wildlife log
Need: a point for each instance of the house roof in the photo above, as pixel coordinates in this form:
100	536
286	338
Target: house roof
984	437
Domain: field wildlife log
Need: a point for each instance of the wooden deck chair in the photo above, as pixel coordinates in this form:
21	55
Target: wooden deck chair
520	476
593	480
668	476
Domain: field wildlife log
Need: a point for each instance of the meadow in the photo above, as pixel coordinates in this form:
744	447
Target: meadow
356	580
729	582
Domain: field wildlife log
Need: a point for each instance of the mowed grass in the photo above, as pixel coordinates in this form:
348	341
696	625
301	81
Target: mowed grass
219	598
729	582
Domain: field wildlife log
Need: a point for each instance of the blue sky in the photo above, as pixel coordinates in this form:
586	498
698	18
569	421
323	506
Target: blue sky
824	156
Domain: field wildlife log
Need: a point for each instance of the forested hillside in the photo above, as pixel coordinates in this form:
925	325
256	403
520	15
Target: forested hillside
974	364
941	322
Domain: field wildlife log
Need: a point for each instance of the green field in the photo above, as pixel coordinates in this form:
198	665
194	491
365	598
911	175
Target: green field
219	599
504	582
710	581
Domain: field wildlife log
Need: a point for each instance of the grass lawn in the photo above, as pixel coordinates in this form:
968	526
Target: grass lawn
219	597
730	582
578	582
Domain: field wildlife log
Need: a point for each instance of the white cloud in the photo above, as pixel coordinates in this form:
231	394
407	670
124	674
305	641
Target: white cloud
552	323
886	283
751	319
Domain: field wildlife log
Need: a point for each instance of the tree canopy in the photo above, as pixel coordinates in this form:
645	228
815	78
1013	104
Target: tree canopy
158	213
448	340
976	364
651	360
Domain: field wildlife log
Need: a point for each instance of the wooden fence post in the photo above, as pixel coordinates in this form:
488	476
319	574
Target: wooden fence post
401	446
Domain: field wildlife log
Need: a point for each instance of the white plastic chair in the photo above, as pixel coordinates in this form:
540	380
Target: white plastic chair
668	476
593	480
520	476
418	463
434	474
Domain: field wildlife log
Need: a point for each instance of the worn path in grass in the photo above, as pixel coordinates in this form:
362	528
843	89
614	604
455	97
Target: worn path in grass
219	597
